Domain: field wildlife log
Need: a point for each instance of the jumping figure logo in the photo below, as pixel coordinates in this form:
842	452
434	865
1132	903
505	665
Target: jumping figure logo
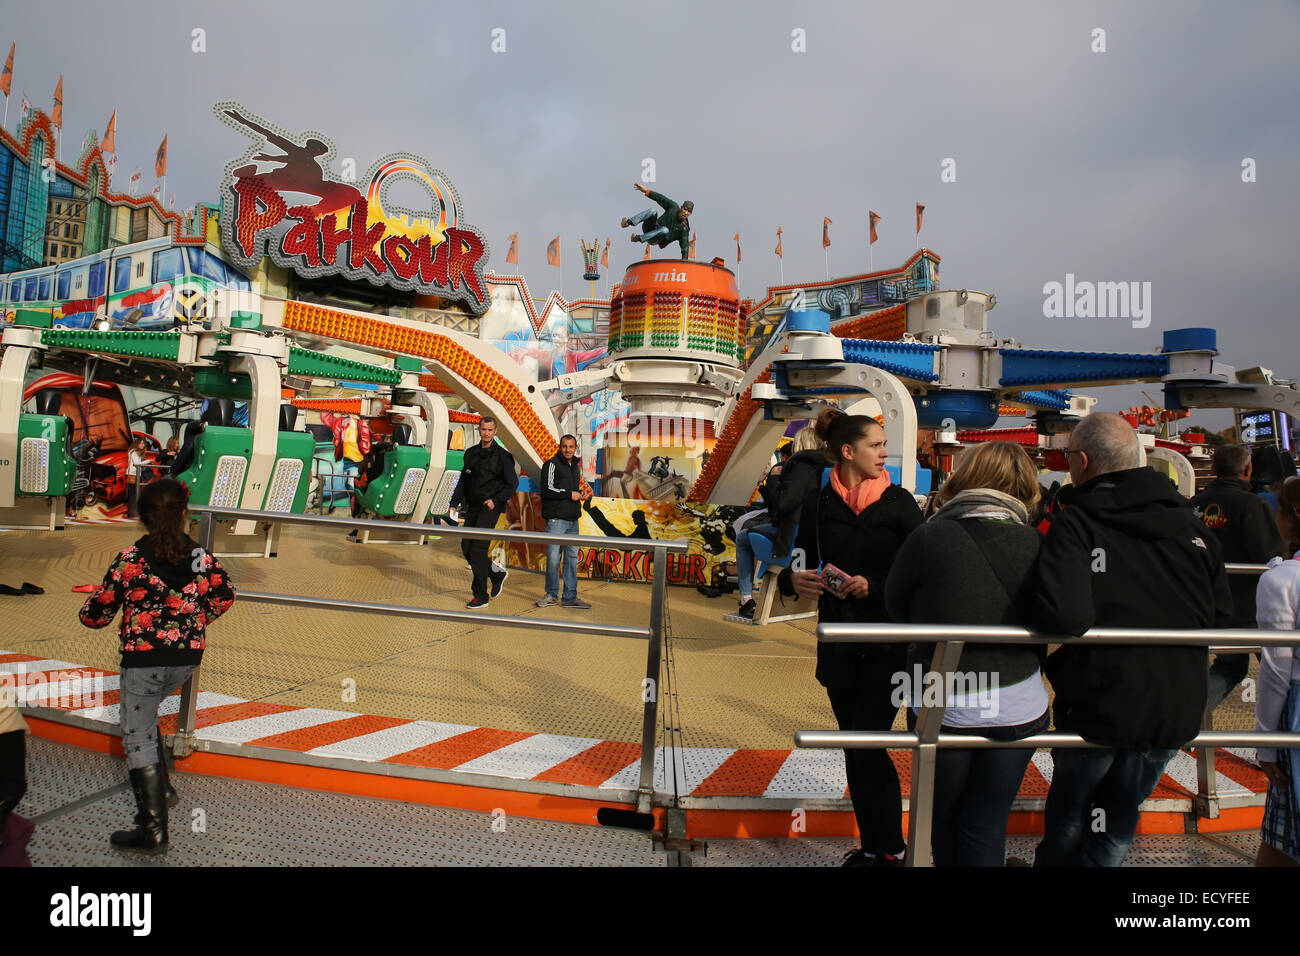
286	205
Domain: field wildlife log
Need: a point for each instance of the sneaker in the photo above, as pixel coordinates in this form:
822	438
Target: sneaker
576	602
477	603
858	857
637	239
625	223
747	610
888	859
547	601
498	579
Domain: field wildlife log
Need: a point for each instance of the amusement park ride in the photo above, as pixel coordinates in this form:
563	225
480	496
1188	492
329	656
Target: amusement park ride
206	316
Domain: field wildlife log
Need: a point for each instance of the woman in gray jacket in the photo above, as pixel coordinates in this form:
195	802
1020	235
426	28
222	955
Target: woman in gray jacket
973	563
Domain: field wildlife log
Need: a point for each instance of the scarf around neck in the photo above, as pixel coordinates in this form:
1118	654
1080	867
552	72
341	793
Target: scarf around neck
864	494
984	503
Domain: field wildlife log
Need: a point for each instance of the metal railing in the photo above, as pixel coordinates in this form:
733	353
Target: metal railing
926	740
653	632
1207	780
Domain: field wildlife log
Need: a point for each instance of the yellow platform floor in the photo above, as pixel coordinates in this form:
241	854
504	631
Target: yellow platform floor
733	685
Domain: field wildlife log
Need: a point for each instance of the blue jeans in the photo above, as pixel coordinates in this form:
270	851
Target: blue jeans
973	793
562	526
1084	782
655	231
745	554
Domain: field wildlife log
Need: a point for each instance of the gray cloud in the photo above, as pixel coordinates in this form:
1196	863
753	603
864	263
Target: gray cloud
1122	165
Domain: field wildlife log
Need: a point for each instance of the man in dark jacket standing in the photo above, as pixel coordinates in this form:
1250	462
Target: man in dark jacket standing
1244	525
562	497
1127	552
487	482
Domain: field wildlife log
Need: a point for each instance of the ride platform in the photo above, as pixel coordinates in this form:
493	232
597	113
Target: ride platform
537	724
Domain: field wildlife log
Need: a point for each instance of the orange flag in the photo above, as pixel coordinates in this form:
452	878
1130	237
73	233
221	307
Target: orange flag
7	77
778	243
553	252
737	238
873	218
826	232
604	256
919	209
690	253
513	255
109	145
647	252
57	118
160	161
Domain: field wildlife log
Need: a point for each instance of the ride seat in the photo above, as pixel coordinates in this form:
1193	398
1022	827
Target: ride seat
394	493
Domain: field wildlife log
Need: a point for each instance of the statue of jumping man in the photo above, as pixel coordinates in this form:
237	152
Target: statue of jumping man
671	225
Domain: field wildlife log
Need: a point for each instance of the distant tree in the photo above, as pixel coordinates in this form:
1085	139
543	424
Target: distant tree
1214	438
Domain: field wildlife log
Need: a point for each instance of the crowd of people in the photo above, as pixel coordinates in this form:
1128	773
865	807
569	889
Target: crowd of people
1123	549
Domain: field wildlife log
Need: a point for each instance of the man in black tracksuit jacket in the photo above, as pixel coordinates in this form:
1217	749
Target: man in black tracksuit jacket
1247	531
1128	551
562	497
487	482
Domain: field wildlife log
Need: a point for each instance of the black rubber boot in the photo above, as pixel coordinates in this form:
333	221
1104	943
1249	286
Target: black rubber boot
173	797
150	834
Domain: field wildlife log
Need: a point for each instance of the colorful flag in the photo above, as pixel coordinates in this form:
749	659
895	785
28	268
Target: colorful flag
134	182
553	252
919	209
737	238
160	161
7	77
690	253
872	218
25	104
826	232
57	118
647	252
109	145
512	256
778	243
604	256
110	165
171	203
157	192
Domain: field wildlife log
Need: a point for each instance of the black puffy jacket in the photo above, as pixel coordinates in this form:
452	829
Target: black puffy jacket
1129	551
865	544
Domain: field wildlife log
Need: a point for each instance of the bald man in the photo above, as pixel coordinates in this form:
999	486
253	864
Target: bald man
1128	551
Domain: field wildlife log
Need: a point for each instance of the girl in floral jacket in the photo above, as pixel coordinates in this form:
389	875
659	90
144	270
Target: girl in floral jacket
168	589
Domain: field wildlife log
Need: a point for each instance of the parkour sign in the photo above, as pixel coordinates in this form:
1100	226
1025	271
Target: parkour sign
283	202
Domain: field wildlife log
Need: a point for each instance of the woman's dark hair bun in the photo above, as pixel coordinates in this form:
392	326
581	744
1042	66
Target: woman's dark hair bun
825	422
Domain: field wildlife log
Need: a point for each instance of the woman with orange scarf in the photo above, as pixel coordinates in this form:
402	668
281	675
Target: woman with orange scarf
856	523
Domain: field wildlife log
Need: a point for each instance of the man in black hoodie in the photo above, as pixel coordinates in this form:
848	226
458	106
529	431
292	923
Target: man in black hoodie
1243	523
1128	551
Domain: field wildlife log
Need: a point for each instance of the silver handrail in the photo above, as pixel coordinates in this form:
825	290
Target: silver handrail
949	639
183	742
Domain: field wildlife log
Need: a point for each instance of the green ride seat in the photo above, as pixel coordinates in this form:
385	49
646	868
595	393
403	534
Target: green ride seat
393	494
219	472
45	469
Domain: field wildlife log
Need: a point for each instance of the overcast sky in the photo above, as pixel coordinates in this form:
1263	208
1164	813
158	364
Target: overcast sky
1122	165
